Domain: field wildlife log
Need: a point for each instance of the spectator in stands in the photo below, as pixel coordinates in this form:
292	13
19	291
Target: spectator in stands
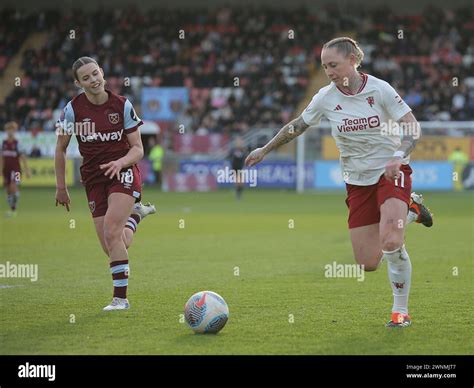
245	51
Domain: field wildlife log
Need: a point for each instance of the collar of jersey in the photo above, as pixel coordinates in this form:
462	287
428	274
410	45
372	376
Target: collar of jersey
364	82
95	105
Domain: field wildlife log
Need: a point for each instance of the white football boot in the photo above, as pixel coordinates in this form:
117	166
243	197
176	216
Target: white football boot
117	304
143	210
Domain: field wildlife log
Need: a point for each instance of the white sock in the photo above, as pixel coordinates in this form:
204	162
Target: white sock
411	217
399	274
10	200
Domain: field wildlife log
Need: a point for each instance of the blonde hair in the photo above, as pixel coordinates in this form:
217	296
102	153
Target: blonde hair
346	46
11	125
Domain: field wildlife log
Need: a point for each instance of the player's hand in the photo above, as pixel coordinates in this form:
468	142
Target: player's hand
112	168
256	156
392	169
62	197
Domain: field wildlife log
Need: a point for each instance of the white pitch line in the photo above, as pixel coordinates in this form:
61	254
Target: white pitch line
11	286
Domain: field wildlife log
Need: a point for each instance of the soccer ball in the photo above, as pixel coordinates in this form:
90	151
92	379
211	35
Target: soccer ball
206	312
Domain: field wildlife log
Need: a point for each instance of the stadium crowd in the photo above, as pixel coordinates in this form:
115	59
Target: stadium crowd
243	67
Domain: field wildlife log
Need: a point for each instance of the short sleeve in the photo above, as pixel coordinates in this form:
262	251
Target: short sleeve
314	111
394	104
130	118
65	123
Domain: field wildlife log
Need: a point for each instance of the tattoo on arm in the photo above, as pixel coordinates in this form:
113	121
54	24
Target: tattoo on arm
411	133
408	144
290	131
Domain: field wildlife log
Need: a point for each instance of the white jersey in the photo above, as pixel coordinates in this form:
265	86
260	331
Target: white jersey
363	125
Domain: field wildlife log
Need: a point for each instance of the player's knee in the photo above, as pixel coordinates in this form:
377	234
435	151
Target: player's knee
391	240
112	236
391	243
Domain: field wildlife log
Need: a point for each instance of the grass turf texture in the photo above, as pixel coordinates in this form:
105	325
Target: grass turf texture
280	302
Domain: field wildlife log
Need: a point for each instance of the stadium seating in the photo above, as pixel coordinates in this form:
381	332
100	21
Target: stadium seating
270	51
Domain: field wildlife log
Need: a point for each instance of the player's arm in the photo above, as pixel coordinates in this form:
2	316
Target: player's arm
411	134
24	163
62	195
133	156
290	131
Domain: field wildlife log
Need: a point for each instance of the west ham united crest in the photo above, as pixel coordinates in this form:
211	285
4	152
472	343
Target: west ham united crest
92	206
114	118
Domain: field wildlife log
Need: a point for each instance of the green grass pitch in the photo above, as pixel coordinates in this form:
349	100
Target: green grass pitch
271	275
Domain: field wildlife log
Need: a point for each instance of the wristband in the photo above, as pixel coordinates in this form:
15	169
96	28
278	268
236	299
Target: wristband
399	154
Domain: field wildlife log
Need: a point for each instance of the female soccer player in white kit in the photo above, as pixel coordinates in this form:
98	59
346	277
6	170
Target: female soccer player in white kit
364	113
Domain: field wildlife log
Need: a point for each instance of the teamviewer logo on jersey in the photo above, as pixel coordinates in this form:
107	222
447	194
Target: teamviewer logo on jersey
359	124
374	121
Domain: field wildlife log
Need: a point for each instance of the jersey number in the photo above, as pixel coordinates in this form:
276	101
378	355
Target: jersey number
127	176
402	180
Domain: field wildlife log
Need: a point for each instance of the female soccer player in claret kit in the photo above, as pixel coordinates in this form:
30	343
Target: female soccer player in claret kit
107	130
374	162
11	159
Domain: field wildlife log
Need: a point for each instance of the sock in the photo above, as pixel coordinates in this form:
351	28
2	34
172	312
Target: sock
16	197
132	222
10	199
120	270
399	274
411	217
